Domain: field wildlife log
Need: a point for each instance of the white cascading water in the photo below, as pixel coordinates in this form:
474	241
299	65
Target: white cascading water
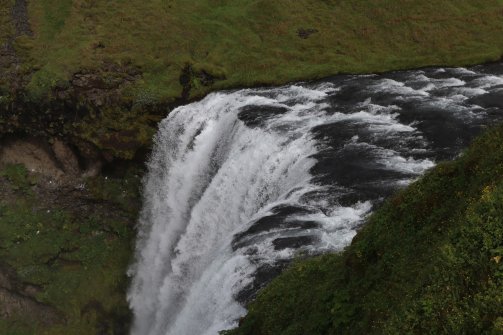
212	176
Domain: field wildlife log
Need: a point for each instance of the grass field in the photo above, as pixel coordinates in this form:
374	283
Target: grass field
250	42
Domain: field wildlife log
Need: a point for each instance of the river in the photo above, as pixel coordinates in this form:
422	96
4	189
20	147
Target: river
243	181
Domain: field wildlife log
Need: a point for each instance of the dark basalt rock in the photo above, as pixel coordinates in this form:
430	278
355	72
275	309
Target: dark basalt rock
492	99
189	76
78	113
255	116
263	276
294	242
273	222
304	33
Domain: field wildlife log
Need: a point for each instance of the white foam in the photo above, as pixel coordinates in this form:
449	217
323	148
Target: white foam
488	81
393	86
463	71
396	162
340	225
209	176
448	82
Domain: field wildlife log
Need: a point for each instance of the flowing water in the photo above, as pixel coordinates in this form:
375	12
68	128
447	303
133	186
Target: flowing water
243	181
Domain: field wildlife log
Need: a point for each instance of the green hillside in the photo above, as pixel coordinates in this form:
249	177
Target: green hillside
428	262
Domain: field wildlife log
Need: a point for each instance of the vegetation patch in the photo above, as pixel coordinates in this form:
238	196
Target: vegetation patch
65	250
245	43
18	176
430	261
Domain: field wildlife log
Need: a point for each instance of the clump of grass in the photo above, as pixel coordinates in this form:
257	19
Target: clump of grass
6	28
430	261
19	176
12	327
123	192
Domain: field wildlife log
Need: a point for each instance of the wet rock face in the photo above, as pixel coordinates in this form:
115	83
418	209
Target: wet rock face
18	299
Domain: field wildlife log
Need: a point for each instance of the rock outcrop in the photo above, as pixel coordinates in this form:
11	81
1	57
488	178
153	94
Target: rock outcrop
57	160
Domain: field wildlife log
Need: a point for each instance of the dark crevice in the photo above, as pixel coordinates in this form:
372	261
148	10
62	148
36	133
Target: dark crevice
58	256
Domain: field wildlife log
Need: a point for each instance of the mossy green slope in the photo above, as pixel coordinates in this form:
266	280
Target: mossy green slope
71	247
116	66
429	261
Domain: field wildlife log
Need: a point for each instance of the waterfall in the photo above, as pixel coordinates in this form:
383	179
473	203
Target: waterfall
241	182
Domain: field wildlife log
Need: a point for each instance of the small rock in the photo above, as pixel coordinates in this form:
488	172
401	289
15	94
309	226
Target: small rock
66	157
305	33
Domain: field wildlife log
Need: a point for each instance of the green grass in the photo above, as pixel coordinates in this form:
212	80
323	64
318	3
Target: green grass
123	192
428	262
90	268
252	42
18	176
18	327
6	29
77	256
